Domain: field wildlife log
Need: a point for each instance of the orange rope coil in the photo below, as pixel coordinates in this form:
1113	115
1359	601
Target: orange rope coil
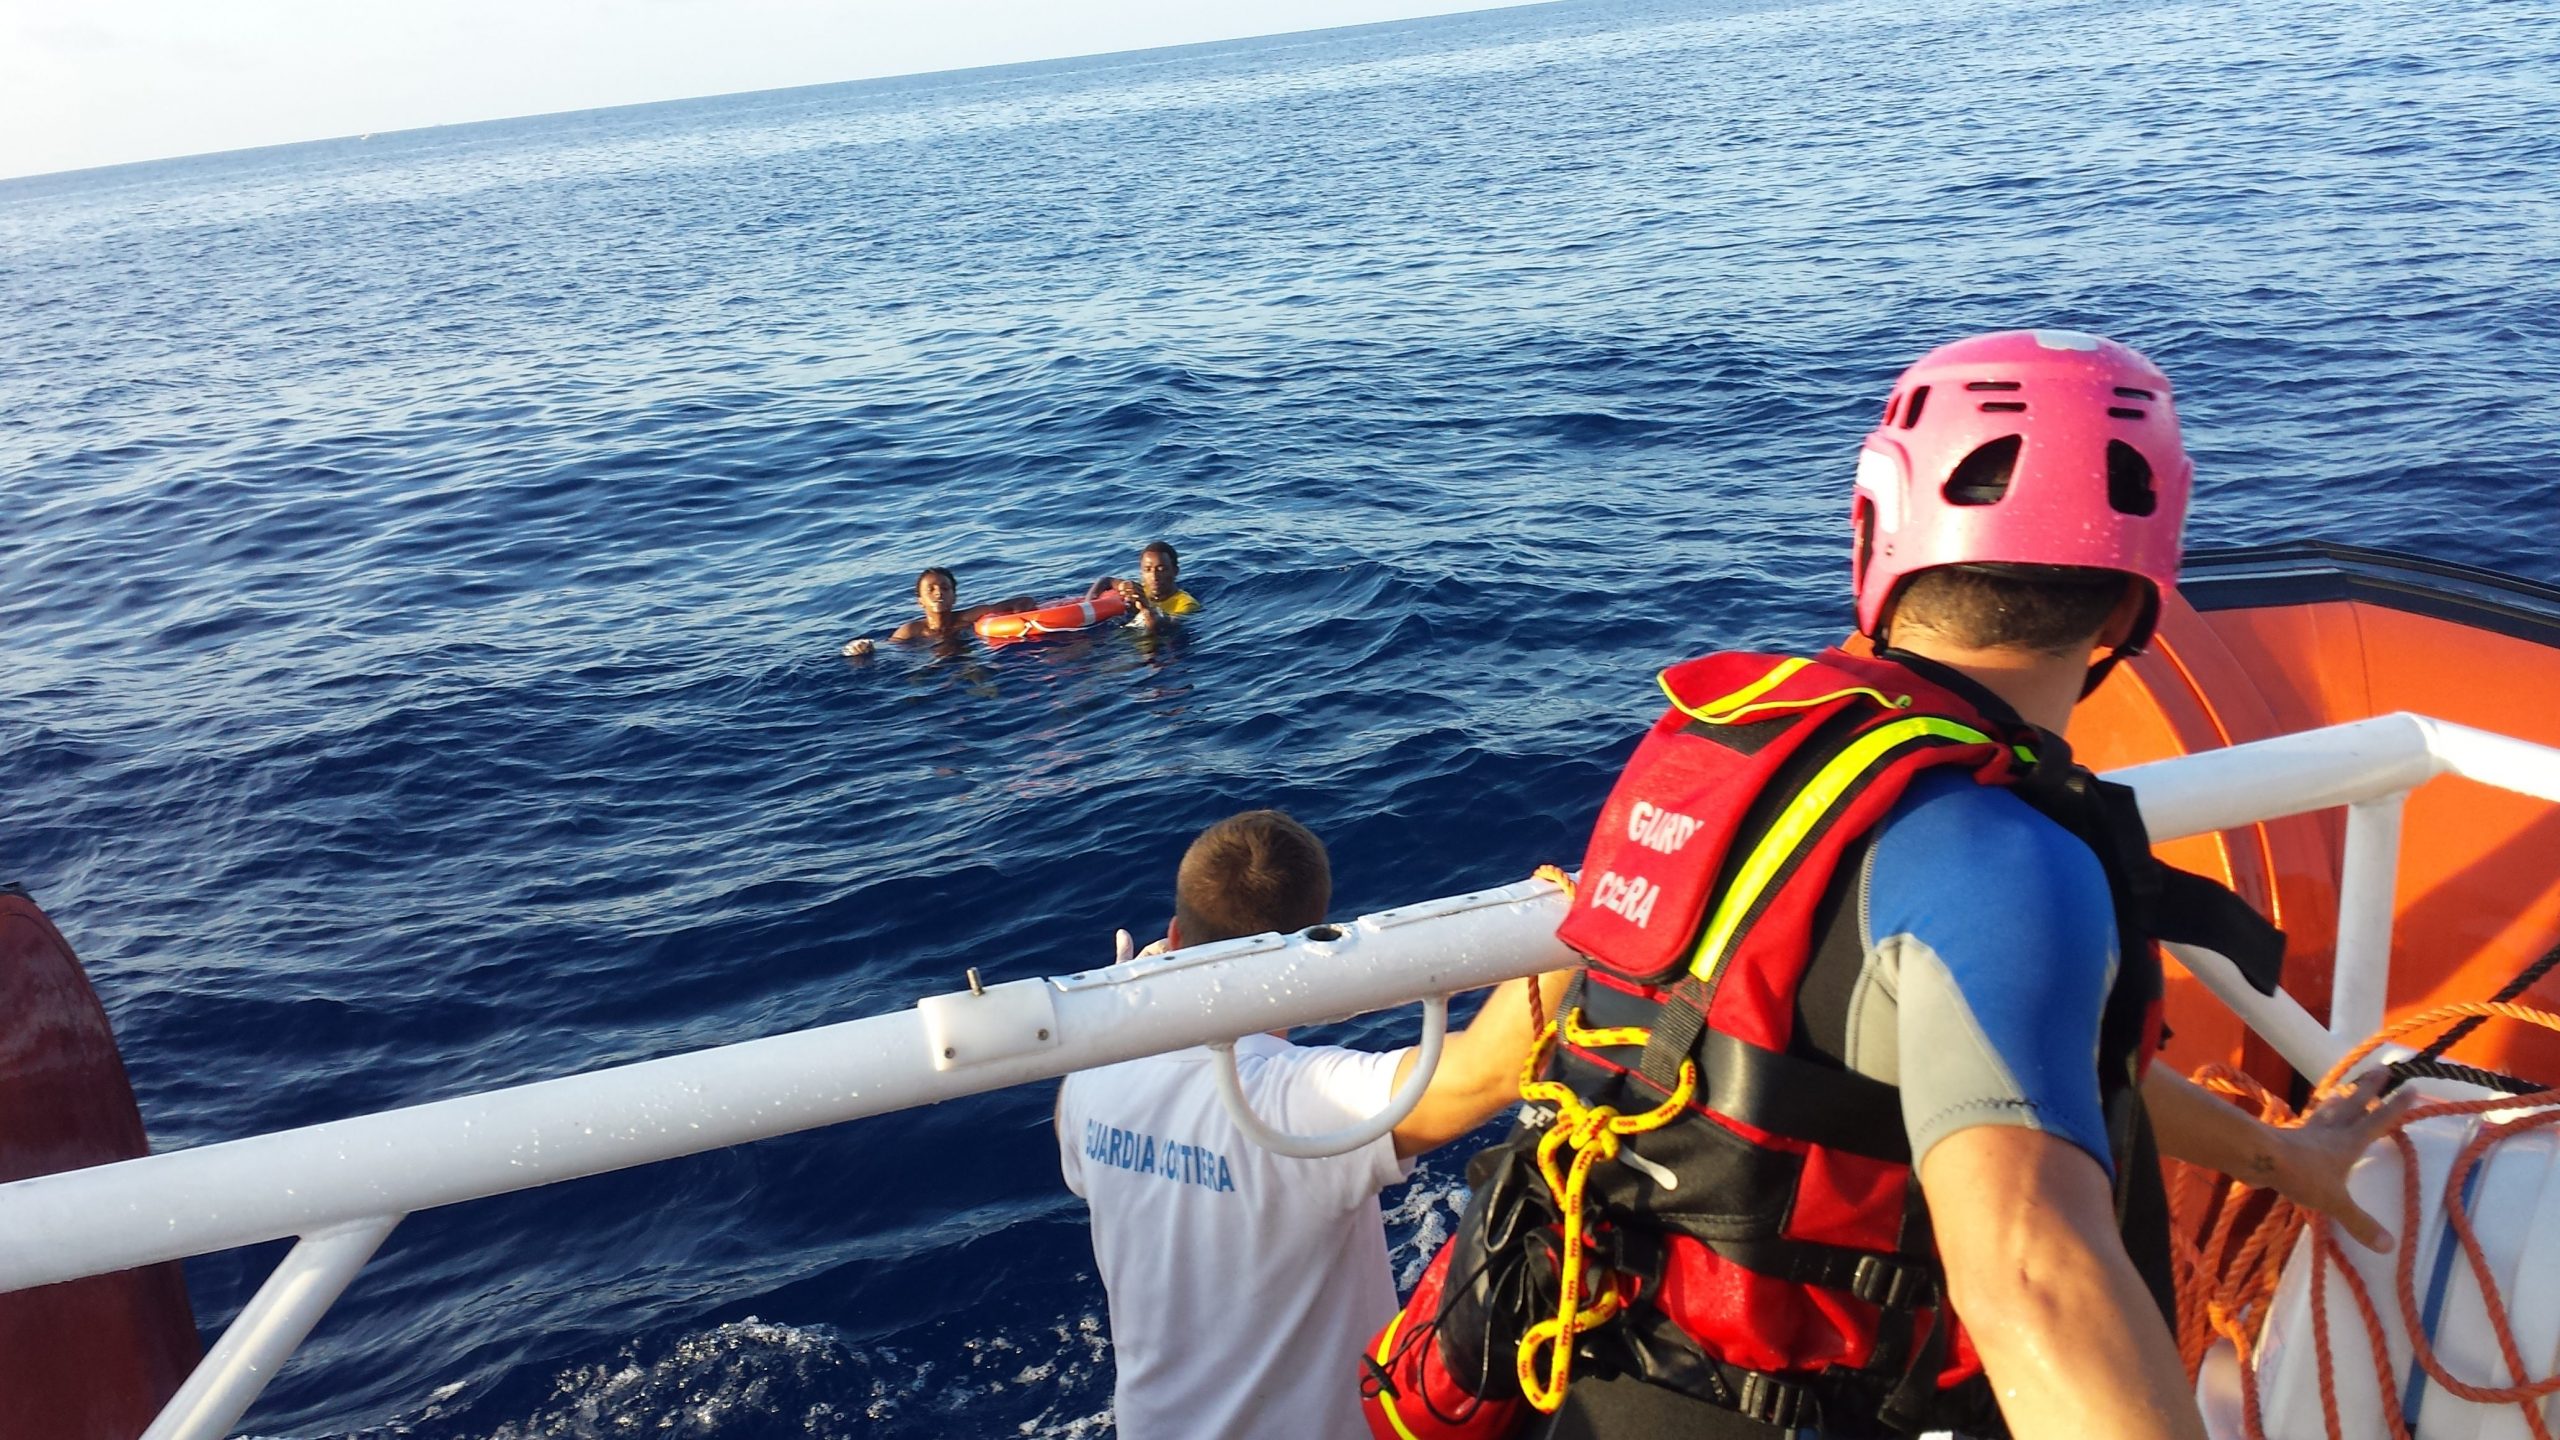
2227	1277
1537	999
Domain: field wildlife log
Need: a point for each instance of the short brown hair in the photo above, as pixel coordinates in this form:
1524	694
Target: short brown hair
1250	873
2052	609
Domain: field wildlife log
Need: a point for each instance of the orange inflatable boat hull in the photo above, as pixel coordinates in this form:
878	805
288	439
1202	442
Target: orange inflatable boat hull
2272	640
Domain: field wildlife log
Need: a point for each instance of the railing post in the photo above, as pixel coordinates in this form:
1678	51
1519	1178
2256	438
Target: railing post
2368	885
2279	1018
275	1322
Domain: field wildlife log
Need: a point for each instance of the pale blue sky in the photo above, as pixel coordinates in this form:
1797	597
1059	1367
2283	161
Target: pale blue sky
85	84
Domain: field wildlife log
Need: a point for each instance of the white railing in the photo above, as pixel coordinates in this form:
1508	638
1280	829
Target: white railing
2369	767
341	1187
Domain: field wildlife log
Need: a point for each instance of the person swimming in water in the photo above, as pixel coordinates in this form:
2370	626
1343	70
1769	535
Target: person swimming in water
938	595
1156	596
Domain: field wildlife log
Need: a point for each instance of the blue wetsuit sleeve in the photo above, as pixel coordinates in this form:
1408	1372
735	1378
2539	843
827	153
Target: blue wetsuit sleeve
1997	928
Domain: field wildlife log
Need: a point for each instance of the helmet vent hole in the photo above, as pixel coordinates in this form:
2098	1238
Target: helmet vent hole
2127	412
1982	477
1911	412
2131	393
2003	406
1991	385
1892	403
2129	487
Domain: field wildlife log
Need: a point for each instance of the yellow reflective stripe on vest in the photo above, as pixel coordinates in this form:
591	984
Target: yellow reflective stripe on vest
1387	1395
1797	821
1731	708
1895	702
1717	712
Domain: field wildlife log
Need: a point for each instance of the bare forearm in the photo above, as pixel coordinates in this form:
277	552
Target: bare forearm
2057	1374
1479	1070
2307	1163
2074	1345
1485	1058
2193	1126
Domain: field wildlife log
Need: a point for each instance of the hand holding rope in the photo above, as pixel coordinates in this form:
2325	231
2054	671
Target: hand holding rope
2227	1281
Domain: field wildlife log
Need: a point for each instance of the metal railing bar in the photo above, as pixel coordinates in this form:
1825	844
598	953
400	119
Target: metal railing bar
301	1182
295	1182
2287	775
310	1278
2491	758
2368	885
2296	1033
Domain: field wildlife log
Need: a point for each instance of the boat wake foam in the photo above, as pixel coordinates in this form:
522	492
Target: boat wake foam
752	1378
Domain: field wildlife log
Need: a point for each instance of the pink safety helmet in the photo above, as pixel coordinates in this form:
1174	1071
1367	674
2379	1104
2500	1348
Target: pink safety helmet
2022	448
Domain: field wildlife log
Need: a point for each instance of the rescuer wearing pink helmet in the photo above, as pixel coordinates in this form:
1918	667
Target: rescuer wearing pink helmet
2033	450
1857	1081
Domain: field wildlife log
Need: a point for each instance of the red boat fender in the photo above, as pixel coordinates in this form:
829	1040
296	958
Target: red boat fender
90	1359
1063	618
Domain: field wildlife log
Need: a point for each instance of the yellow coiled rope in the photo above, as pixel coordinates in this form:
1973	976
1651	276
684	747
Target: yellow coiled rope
1591	1132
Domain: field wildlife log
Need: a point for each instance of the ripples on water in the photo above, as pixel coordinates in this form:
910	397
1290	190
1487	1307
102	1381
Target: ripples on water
426	559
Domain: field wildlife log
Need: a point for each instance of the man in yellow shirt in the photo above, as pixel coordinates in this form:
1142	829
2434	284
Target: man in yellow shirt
1156	596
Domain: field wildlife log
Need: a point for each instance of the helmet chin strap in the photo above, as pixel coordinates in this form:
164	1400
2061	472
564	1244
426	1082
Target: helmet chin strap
2106	665
2134	644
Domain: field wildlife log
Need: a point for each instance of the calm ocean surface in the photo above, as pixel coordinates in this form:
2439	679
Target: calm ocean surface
424	561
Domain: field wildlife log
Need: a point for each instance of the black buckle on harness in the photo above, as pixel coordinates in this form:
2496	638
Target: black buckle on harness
1882	1283
1780	1403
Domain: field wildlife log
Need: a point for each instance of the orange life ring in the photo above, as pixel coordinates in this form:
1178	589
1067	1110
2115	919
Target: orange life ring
1064	617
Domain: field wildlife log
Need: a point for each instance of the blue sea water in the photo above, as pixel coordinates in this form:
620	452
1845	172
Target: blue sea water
424	561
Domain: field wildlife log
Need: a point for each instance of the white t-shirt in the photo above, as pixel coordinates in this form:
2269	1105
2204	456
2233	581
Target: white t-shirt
1243	1284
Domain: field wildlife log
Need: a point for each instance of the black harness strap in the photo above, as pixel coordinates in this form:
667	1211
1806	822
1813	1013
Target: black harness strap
2192	910
1786	1095
1767	1089
1887	1282
1676	1028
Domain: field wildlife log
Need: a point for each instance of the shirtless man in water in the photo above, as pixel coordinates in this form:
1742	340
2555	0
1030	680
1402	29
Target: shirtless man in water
938	595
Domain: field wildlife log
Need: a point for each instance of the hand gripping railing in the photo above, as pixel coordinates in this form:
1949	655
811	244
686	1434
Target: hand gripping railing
341	1186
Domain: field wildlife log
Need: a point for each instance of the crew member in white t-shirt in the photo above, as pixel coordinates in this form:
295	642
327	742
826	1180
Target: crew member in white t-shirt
1243	1284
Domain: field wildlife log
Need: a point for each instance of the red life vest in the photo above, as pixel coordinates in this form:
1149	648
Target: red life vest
1755	1236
